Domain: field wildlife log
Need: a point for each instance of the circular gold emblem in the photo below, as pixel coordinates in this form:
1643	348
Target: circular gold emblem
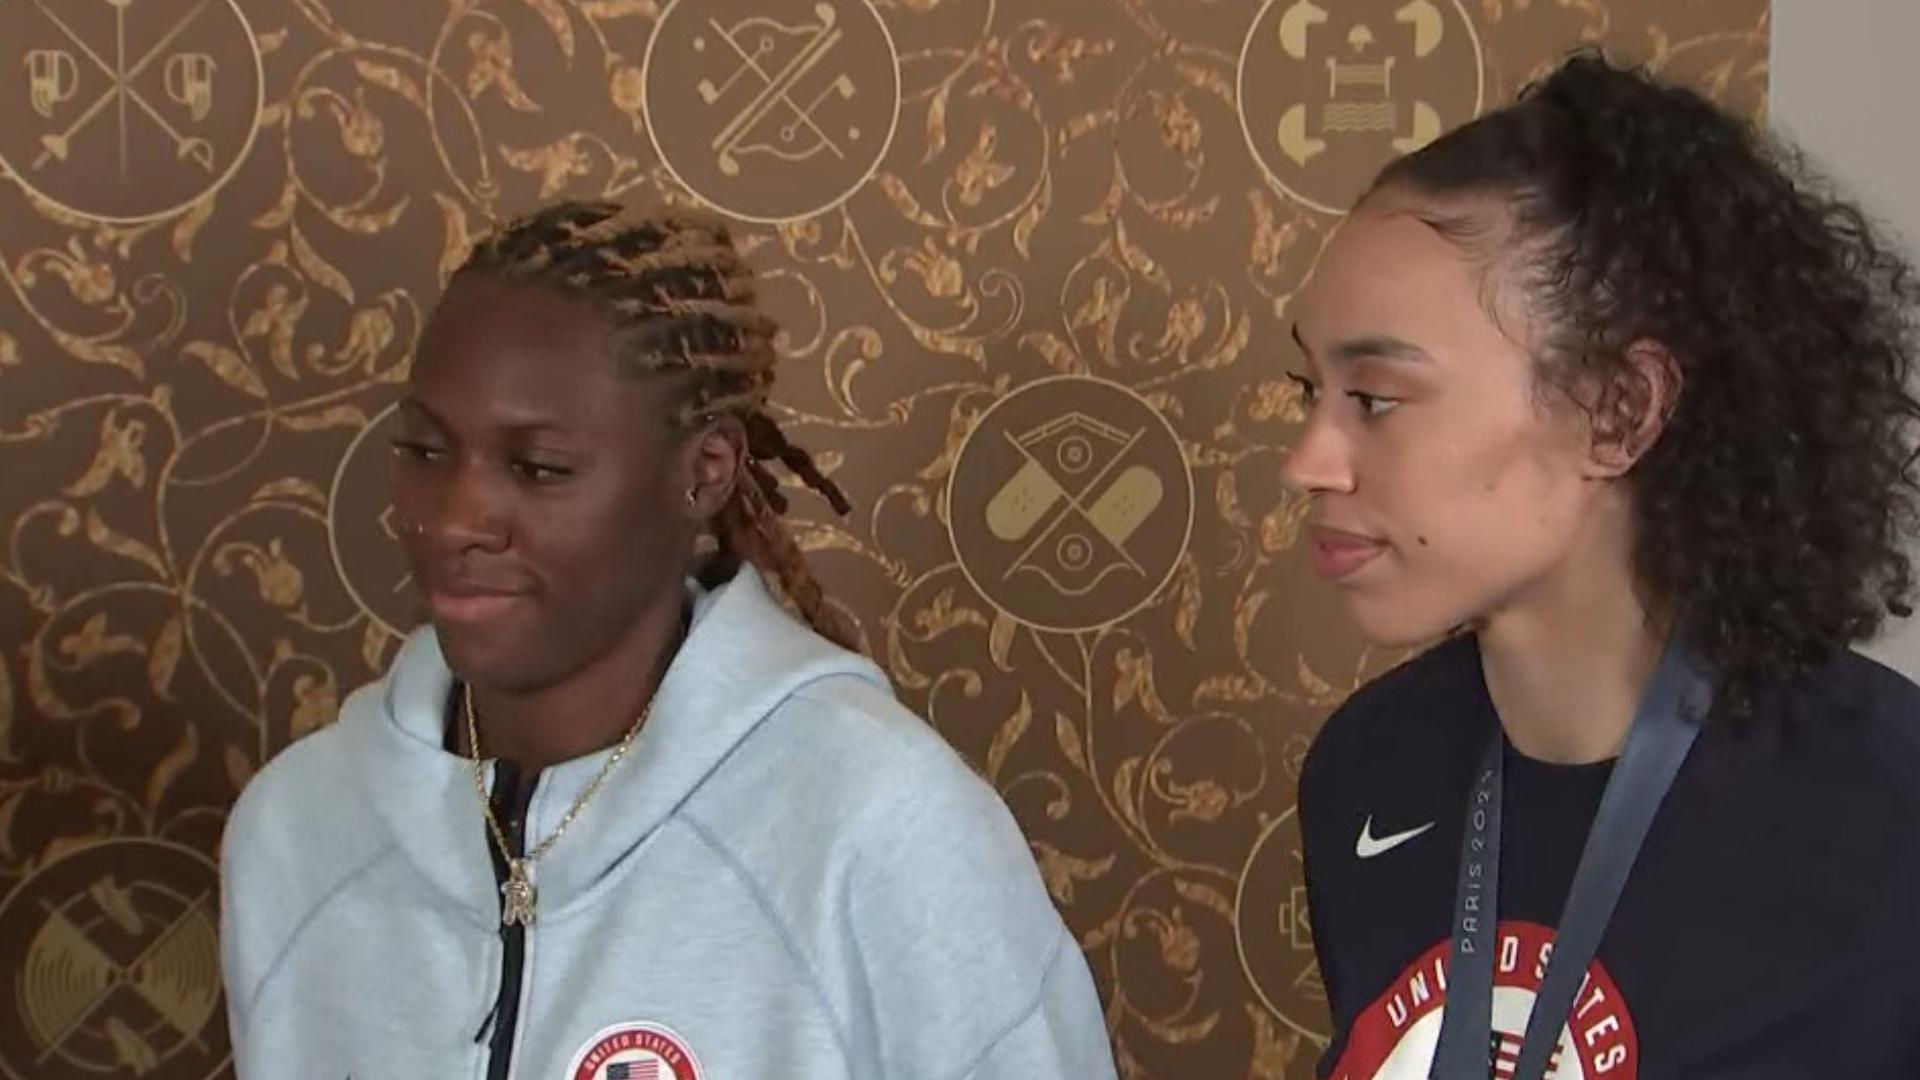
116	959
126	110
1070	504
1328	94
771	111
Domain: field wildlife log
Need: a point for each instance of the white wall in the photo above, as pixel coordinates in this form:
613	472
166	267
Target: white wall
1846	88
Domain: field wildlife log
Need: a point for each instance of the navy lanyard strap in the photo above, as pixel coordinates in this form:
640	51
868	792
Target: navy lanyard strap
1663	731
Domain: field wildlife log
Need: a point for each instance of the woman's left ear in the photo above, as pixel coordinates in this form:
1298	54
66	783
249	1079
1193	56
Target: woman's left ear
1630	413
718	451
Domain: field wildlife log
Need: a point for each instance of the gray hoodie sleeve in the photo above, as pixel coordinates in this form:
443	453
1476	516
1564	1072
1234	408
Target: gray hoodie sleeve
971	973
1053	1037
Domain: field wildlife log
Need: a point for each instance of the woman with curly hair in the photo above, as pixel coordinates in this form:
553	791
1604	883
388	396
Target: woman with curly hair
628	807
1610	397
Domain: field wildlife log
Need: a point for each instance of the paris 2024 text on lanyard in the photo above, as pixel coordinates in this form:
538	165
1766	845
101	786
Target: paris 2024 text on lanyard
1663	731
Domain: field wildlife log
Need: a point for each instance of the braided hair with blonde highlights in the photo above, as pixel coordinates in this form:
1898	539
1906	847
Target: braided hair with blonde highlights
681	299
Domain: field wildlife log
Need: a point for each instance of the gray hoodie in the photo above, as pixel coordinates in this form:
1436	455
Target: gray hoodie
790	876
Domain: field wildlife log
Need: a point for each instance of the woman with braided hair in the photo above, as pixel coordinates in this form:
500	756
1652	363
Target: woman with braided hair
616	812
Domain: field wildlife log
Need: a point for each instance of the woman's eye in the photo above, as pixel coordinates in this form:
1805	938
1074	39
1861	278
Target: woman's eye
541	472
419	451
1374	405
1308	391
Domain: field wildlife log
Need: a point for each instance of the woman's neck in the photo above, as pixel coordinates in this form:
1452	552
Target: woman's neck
588	711
1567	662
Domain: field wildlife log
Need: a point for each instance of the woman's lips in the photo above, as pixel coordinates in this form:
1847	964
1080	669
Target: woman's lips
464	604
1338	554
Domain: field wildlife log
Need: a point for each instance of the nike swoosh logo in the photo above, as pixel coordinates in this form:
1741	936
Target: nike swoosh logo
1368	845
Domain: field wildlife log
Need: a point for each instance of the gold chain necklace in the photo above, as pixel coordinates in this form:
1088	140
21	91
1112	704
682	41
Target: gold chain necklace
517	894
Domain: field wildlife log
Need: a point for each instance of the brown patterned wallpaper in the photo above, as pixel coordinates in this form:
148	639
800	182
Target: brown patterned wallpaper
1032	258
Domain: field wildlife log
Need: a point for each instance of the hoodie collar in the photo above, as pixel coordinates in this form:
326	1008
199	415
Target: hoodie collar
743	656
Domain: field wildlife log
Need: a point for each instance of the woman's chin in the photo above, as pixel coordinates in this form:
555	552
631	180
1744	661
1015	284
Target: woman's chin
1388	624
481	659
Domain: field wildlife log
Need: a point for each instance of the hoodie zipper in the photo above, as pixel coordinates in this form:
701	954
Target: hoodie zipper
511	809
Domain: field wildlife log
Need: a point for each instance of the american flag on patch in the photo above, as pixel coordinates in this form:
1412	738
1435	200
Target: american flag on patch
1506	1055
635	1070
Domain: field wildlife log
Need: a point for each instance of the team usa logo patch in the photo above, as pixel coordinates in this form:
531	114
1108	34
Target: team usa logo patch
1394	1037
636	1051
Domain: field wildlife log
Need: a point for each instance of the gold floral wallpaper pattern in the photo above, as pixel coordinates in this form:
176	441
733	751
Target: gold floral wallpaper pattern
1033	260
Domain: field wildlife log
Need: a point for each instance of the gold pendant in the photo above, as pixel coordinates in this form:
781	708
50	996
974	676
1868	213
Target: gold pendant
518	896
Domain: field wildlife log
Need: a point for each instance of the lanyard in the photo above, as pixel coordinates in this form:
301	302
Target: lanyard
1663	730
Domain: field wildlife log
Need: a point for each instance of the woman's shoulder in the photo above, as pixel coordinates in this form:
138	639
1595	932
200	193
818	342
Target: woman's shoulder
1866	686
300	799
297	831
1828	765
843	777
843	796
1408	705
298	780
855	755
1852	715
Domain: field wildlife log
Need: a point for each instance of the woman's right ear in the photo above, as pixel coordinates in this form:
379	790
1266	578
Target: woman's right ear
1631	411
718	452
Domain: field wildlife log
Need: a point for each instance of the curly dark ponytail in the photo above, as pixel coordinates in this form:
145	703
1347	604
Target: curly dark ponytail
1772	512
